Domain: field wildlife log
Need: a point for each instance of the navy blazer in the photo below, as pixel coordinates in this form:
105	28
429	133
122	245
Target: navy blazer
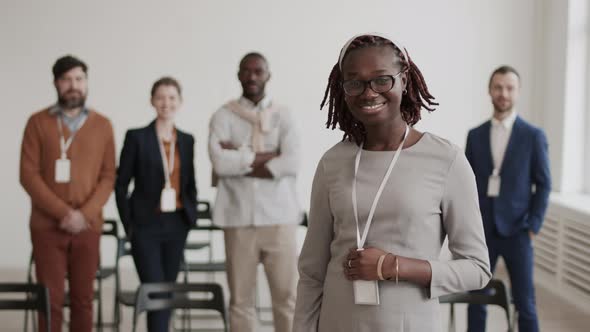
525	178
141	161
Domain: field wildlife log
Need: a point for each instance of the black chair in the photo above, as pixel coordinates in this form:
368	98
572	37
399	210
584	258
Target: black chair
494	293
122	296
203	213
110	229
126	297
36	298
209	266
204	210
159	296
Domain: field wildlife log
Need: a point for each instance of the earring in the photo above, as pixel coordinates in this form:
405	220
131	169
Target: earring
405	92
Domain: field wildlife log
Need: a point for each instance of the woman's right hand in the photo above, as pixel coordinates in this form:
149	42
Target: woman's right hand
362	264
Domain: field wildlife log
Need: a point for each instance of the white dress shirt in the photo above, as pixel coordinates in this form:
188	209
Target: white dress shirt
248	201
499	136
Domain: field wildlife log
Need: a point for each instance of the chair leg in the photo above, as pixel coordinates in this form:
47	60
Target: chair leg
117	307
48	320
225	323
134	323
99	323
34	321
190	328
29	280
514	321
117	314
452	318
26	323
185	312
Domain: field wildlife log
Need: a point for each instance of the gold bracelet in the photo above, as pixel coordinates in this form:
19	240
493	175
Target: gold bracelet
396	269
380	267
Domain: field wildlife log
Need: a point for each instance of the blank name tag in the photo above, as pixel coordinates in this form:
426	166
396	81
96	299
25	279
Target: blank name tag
62	171
494	186
366	292
168	200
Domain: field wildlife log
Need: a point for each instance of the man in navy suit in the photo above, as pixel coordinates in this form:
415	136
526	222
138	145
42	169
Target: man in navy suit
510	161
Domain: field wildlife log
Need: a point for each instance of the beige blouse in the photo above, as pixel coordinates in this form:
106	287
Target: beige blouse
430	195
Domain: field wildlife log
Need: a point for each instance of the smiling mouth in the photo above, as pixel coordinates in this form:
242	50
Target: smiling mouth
373	108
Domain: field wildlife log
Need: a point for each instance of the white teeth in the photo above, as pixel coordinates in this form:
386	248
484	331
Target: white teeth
372	107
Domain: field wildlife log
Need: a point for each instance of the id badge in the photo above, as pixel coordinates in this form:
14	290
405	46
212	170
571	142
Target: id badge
168	200
494	186
62	171
366	292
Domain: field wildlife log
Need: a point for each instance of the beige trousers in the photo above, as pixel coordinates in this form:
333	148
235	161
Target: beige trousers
274	246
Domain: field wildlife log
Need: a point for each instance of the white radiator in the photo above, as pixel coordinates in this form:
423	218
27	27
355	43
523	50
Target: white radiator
562	253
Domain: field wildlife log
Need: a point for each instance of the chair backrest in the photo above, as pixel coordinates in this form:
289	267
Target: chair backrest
152	296
204	213
304	220
494	293
36	298
110	228
123	249
159	296
204	210
30	269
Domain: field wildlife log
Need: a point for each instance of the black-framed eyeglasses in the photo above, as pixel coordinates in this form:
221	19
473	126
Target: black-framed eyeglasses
379	84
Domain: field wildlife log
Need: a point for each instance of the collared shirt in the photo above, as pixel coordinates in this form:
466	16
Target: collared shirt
248	201
499	136
73	123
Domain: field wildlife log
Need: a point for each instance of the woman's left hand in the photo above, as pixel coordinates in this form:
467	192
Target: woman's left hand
362	265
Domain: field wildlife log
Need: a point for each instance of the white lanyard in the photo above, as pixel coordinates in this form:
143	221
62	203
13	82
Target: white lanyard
360	241
167	170
63	144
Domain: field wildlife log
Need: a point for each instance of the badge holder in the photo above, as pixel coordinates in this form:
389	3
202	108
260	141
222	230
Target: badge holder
168	200
62	170
366	292
494	184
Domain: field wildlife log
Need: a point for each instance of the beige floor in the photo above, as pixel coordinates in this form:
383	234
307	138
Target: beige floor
555	314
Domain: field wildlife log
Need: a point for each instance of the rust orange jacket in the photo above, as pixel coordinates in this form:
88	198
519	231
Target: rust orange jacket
92	169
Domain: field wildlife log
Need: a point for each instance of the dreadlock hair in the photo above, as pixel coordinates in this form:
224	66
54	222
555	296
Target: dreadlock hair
416	96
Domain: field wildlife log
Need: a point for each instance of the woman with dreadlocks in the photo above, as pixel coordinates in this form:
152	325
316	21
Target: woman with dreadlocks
383	201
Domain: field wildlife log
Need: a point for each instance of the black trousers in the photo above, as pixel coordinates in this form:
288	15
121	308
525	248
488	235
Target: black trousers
157	250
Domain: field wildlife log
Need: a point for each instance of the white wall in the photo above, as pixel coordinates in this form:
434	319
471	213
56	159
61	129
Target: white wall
128	45
551	22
